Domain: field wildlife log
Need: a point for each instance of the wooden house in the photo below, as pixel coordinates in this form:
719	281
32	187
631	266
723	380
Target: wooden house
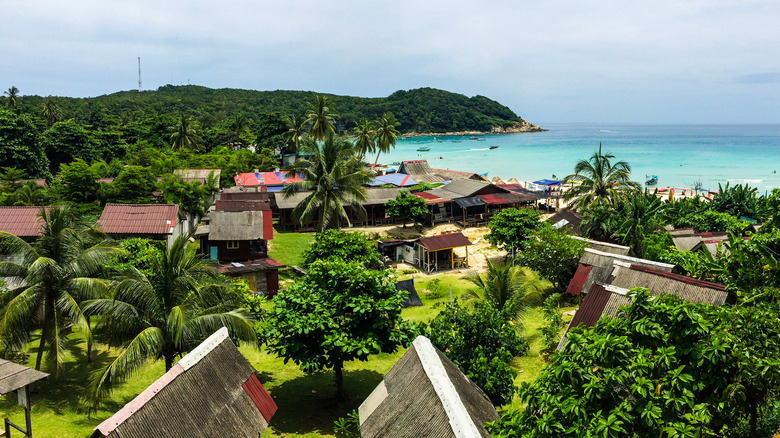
212	391
421	171
425	395
23	222
567	220
150	221
468	202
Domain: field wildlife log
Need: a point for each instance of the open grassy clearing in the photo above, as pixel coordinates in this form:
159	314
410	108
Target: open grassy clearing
306	402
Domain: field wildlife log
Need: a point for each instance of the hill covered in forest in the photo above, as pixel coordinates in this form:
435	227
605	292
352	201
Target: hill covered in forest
422	110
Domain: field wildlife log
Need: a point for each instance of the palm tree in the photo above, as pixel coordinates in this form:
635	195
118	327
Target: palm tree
165	315
320	118
365	138
641	217
13	97
184	135
508	288
51	112
55	274
602	181
237	129
386	134
336	178
296	131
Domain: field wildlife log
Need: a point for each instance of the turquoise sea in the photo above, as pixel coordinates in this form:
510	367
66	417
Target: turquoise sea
680	155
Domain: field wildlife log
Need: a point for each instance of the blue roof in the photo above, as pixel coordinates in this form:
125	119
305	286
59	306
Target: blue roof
547	182
396	179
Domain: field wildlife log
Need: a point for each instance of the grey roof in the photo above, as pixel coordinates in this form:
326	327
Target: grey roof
462	188
602	263
374	196
422	171
14	376
686	242
425	395
235	225
212	391
687	288
604	246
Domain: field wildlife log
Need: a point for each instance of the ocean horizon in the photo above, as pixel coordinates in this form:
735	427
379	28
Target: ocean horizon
680	155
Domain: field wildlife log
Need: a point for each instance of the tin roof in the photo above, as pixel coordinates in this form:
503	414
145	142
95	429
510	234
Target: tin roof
21	221
249	266
578	280
265	179
14	376
396	179
139	218
444	241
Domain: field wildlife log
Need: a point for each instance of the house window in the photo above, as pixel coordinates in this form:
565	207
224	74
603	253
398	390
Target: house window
232	244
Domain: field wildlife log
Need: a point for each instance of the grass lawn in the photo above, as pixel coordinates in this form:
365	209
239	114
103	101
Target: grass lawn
307	406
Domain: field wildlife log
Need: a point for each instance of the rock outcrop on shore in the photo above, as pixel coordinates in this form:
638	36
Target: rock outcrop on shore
518	127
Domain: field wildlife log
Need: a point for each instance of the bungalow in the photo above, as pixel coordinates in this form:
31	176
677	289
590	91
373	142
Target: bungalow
469	202
212	391
420	170
429	253
425	395
597	266
22	222
150	221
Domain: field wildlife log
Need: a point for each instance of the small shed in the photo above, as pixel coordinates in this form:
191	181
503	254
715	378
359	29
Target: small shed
212	391
566	219
425	395
15	377
438	252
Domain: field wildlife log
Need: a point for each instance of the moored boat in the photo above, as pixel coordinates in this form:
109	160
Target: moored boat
651	180
423	149
494	147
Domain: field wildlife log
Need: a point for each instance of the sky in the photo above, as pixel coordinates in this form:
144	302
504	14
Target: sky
692	61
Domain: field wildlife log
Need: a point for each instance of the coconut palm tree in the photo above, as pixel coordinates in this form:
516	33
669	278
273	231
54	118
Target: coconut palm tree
320	119
641	216
185	135
510	289
164	315
13	97
365	138
602	181
336	178
386	134
296	131
51	112
55	274
237	128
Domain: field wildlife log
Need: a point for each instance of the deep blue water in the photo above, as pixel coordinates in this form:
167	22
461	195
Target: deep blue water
680	155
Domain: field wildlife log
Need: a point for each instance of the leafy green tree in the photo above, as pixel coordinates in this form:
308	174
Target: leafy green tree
365	138
192	197
334	244
386	134
335	176
407	207
79	182
510	289
269	130
164	315
68	140
481	342
641	216
320	118
244	160
59	270
340	311
133	185
20	146
602	180
600	222
711	221
185	134
664	368
511	226
13	97
738	201
551	253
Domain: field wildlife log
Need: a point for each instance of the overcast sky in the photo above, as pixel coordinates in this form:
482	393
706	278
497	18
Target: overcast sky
691	61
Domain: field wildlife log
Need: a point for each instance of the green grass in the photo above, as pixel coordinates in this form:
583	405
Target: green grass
307	406
288	247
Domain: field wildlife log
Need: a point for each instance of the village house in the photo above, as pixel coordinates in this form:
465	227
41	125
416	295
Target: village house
421	171
149	221
440	252
22	222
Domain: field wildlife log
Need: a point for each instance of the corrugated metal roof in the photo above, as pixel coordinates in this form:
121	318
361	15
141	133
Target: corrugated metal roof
375	196
493	199
464	188
572	219
260	397
238	225
659	282
249	266
396	179
139	218
21	221
604	246
430	198
472	201
14	376
265	179
578	280
443	241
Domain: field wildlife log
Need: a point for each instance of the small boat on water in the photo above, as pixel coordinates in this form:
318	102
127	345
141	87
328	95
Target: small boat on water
456	141
651	180
472	138
494	147
480	139
423	149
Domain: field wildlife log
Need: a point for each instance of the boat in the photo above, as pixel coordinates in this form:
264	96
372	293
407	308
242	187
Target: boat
494	147
480	139
423	149
472	138
456	141
651	180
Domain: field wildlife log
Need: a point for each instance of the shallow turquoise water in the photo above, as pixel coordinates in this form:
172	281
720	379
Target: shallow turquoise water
679	154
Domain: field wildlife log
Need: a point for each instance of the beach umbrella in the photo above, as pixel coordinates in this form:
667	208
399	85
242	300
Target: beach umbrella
513	181
497	180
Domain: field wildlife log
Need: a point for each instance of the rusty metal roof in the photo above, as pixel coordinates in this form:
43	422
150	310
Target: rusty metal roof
139	218
578	280
14	376
249	266
444	241
21	221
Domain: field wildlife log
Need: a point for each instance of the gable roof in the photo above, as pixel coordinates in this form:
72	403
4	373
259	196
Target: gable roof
425	394
139	218
212	391
240	225
604	246
566	219
21	221
602	265
444	241
464	188
396	179
687	288
422	171
374	196
265	179
201	175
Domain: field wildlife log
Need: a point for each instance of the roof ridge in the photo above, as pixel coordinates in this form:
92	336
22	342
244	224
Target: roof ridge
460	420
681	278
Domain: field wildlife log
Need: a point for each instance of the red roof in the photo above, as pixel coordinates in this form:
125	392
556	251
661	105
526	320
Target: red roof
21	221
578	281
592	307
493	199
430	198
265	179
260	397
444	241
139	218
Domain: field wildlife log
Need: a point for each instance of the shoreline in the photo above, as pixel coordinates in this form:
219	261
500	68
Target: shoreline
519	128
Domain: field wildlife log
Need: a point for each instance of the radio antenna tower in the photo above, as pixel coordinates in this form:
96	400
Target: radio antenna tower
139	73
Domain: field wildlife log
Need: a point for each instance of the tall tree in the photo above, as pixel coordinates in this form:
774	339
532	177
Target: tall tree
59	270
386	134
296	130
20	146
321	120
164	315
407	206
365	138
13	97
185	135
336	178
510	289
51	112
602	180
